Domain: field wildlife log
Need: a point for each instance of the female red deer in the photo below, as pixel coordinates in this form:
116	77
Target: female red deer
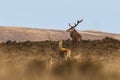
65	53
76	37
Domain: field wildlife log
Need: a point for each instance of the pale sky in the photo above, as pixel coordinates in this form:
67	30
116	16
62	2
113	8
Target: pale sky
101	15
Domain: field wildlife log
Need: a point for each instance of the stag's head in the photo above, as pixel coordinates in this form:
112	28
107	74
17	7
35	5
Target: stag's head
72	28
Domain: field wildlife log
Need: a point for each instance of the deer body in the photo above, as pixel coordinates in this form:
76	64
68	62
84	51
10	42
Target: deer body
64	52
76	37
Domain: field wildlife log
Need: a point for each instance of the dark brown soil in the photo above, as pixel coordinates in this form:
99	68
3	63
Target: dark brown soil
99	47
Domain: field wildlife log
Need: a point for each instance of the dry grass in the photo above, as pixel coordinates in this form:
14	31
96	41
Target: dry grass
97	60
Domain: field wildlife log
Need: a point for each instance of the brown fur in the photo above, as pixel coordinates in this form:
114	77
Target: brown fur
64	52
76	37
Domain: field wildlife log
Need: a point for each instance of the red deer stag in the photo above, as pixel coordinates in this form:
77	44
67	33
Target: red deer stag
76	37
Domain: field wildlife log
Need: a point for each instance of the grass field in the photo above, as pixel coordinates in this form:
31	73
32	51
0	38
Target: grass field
91	60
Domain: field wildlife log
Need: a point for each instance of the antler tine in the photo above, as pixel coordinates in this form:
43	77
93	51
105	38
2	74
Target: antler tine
80	20
69	25
75	24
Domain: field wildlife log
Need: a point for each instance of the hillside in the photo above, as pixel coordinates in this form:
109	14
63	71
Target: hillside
24	34
39	58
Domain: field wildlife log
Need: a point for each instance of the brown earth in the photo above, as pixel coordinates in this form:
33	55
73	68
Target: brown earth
91	60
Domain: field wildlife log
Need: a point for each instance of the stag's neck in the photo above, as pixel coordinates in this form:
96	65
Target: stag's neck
74	31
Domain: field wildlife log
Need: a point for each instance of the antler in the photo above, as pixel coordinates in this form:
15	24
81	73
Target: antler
70	25
78	21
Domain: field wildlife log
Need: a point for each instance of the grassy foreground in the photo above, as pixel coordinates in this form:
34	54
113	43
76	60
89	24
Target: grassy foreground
91	60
